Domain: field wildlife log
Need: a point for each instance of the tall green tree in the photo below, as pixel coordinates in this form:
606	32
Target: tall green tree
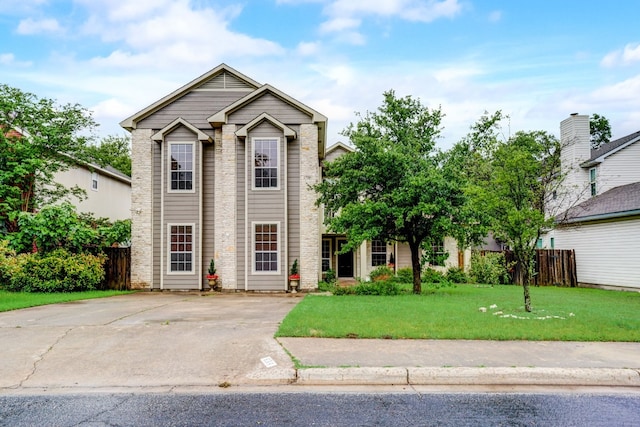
38	138
600	130
113	151
395	186
524	172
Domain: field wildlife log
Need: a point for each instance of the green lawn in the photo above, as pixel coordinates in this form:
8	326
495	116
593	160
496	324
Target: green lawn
16	300
559	314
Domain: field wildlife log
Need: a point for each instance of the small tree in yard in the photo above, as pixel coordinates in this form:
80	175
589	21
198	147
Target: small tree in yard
524	173
396	185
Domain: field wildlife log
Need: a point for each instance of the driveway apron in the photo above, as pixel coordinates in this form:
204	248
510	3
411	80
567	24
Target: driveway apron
148	339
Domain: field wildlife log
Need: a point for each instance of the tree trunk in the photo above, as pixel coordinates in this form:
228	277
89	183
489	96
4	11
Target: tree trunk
415	265
527	297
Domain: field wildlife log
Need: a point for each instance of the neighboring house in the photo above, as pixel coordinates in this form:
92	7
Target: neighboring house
372	254
601	222
107	189
223	169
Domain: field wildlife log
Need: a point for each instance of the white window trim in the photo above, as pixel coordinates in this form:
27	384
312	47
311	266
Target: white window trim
386	253
94	177
193	250
193	168
253	249
322	258
593	182
253	165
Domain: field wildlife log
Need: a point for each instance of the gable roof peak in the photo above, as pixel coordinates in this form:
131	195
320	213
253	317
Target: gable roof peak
237	81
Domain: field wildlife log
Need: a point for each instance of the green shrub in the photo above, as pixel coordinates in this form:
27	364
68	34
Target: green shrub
386	288
404	275
325	286
456	275
488	268
330	276
58	271
432	276
381	273
346	290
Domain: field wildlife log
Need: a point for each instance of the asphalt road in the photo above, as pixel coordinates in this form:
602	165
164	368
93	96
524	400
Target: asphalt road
321	409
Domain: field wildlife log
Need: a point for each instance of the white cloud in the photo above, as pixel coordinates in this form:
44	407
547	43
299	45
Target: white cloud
626	56
9	60
173	34
307	48
30	26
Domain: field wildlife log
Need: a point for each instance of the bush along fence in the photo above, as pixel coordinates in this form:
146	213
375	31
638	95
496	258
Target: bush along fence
117	269
553	267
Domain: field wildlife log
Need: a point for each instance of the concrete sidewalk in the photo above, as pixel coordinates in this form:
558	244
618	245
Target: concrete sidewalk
179	341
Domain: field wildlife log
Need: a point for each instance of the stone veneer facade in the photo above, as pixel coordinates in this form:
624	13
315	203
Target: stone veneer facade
310	233
225	207
141	209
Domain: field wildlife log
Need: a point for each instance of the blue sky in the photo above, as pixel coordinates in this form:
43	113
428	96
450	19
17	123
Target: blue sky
536	60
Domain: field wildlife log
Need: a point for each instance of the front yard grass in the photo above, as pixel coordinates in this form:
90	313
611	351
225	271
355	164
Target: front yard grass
17	300
559	314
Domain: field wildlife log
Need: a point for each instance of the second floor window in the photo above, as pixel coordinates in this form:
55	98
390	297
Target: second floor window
94	181
265	152
592	181
181	166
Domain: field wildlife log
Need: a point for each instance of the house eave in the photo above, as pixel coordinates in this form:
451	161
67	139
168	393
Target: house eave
160	135
601	217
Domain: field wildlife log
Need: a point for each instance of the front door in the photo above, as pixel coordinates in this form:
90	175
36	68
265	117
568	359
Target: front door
345	261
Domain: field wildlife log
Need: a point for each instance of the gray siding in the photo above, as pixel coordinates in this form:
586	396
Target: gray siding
293	194
182	208
276	107
157	209
241	227
208	205
195	107
266	206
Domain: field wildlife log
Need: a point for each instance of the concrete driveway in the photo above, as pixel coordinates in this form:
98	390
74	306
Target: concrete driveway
145	340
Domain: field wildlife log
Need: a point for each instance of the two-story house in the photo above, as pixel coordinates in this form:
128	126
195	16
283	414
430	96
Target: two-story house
222	169
599	206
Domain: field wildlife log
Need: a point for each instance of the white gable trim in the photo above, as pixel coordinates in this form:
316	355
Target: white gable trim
222	116
286	130
160	135
598	160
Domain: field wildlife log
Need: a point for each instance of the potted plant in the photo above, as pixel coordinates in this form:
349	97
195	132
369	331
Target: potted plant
294	277
212	277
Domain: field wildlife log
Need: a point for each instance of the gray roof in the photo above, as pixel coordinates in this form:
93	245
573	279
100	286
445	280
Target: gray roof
610	148
618	202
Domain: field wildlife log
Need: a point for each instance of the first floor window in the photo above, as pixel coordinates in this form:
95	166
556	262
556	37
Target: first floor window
181	166
326	255
438	254
266	247
378	253
181	249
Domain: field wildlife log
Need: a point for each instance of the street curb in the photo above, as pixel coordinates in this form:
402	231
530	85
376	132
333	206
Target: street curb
470	376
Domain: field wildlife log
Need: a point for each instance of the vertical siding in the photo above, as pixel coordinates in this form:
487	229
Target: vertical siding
266	206
607	253
182	208
208	207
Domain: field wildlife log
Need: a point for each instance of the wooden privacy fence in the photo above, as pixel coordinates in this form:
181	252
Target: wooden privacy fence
553	267
117	269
